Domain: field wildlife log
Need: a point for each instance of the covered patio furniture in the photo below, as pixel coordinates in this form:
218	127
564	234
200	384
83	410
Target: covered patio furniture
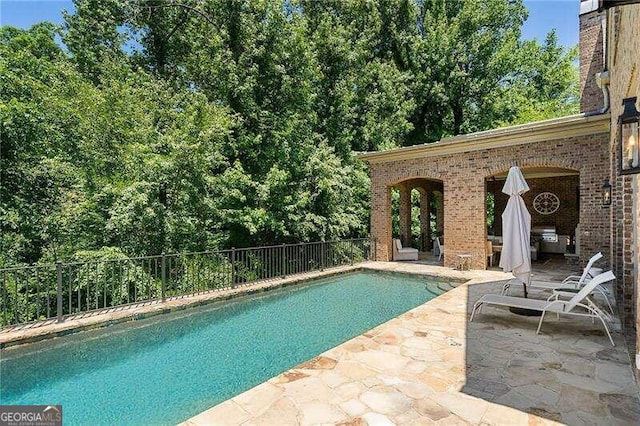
516	225
403	253
578	305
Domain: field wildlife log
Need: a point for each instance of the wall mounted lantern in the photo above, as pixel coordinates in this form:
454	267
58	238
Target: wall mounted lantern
629	135
606	193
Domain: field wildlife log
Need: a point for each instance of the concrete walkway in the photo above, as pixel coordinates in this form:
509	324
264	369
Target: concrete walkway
432	366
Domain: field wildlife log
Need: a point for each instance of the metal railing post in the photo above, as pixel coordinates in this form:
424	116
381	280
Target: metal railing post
306	257
233	267
283	263
163	277
322	255
59	289
374	253
351	250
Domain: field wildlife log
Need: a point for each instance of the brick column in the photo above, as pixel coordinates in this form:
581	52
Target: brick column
405	214
381	219
465	224
636	265
439	212
628	278
425	212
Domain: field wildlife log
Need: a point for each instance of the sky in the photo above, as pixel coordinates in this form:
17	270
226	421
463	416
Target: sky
543	16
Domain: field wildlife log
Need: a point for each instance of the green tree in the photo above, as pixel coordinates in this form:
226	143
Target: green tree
545	84
182	126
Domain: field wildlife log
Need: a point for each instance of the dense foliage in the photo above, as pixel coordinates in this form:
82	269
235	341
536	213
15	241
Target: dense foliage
153	125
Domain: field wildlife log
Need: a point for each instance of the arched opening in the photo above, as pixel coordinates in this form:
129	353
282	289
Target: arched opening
554	204
415	230
417	215
395	212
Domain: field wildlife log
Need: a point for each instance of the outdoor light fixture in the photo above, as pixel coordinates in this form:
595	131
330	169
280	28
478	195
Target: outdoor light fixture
629	137
606	193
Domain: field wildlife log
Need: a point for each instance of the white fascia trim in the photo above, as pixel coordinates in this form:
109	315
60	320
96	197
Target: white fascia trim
556	128
588	6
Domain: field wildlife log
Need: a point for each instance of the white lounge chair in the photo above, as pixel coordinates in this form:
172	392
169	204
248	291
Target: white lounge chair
572	283
576	280
578	305
440	248
403	253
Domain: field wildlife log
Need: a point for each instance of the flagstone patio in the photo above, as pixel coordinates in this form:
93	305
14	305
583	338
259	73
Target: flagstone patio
432	366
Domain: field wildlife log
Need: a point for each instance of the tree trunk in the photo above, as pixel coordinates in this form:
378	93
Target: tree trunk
456	107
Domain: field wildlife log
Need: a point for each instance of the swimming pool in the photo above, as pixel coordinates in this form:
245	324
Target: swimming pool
168	368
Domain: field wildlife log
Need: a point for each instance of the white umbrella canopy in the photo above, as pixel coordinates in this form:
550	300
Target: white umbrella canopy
516	228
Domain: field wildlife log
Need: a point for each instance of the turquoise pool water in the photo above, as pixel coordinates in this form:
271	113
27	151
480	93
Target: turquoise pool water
171	367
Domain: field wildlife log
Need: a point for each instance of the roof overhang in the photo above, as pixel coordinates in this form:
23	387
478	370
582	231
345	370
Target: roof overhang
539	131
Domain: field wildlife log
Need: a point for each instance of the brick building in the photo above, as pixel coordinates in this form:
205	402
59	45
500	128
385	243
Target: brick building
570	158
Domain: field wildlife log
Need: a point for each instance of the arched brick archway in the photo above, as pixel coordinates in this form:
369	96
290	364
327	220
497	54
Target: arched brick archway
426	187
542	177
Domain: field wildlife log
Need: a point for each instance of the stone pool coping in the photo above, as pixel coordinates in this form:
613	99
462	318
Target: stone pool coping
431	366
48	329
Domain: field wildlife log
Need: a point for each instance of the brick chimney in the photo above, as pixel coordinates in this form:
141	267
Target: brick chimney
592	50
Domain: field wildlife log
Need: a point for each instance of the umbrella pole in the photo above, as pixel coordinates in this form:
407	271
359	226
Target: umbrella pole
522	311
525	283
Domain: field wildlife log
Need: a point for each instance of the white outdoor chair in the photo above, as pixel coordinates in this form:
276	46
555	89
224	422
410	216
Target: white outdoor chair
578	305
403	253
440	248
572	283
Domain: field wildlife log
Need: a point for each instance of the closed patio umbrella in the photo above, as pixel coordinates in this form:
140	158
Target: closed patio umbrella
516	229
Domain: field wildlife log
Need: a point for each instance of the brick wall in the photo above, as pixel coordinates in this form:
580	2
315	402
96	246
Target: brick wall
565	187
591	60
624	71
463	176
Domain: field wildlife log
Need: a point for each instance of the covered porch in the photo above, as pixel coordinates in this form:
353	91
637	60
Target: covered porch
565	161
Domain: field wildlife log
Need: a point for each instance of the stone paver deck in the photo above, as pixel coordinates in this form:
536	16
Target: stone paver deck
432	366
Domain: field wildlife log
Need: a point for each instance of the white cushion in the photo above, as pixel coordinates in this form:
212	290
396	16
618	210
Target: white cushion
408	250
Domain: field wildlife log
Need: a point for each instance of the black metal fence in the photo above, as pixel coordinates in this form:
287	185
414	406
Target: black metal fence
40	292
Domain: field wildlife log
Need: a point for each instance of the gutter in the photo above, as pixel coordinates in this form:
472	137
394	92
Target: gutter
602	78
546	130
